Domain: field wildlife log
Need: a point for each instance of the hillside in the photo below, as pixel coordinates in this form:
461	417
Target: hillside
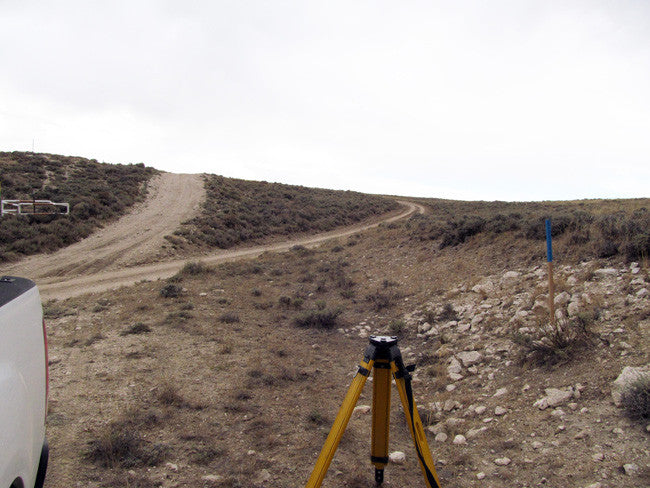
230	376
239	211
97	193
583	229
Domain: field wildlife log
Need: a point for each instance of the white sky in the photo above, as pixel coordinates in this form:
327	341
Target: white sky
508	100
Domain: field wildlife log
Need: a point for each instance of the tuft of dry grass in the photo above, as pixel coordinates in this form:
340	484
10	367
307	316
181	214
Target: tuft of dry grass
636	399
555	343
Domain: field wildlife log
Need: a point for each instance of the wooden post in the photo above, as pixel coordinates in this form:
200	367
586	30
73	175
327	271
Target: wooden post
549	260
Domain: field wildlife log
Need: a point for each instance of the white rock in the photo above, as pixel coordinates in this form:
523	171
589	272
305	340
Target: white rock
500	392
397	457
460	440
469	358
562	299
631	469
553	398
504	461
212	478
471	433
455	376
172	467
537	445
263	476
361	409
454	366
628	376
599	456
603	272
480	410
573	309
643	292
480	475
500	411
441	437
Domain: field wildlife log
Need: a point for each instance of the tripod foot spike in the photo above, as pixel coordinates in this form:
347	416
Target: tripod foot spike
379	476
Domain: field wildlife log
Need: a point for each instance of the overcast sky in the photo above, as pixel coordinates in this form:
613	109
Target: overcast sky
507	100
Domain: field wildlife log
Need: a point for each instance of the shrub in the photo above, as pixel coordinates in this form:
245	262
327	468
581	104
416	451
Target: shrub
229	318
194	268
381	300
636	399
170	291
319	319
205	455
554	343
397	328
120	444
169	395
137	328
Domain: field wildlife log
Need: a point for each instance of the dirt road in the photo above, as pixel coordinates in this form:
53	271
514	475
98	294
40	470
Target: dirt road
117	255
134	239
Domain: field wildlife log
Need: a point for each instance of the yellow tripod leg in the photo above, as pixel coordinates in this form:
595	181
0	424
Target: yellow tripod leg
380	417
340	423
403	383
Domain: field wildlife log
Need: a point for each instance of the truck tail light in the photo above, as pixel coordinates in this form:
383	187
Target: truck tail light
47	368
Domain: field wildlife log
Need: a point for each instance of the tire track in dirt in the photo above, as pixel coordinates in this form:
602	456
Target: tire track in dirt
134	239
58	287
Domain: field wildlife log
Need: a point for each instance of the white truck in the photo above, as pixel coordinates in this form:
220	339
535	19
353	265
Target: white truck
24	384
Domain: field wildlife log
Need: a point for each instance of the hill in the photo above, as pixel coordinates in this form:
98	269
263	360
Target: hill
97	193
238	211
583	229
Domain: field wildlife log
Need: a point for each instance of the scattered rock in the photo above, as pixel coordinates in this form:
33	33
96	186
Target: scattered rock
504	461
500	392
397	457
562	299
469	358
480	475
454	367
628	376
553	398
212	478
599	456
631	469
263	476
441	437
460	440
500	411
471	433
361	409
604	272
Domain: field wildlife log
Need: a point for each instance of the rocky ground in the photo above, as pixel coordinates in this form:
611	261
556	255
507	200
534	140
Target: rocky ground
207	380
525	419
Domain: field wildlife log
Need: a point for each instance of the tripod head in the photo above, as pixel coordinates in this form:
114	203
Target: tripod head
383	342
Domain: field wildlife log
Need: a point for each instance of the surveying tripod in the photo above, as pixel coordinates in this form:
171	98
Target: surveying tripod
382	357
